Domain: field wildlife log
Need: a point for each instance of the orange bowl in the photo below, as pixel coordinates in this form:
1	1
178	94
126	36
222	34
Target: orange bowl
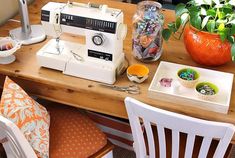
137	73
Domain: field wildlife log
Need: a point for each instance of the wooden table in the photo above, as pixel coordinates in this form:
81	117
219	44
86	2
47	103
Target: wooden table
53	85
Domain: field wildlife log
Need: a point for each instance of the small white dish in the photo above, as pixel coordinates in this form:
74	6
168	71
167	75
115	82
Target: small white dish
6	56
210	97
188	83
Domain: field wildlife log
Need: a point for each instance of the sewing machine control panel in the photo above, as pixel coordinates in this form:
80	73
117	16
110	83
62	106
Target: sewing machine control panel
100	55
88	23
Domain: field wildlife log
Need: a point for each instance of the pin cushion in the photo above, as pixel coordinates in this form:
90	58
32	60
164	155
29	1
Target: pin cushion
137	73
206	90
188	77
8	47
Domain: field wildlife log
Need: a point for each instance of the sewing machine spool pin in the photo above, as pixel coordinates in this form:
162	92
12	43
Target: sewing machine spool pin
101	7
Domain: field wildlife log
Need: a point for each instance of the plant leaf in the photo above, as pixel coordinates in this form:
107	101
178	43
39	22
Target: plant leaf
208	2
220	21
180	9
184	18
223	36
203	11
196	21
211	12
210	26
231	39
232	2
193	9
223	33
216	1
227	10
202	2
204	21
231	22
233	30
219	6
221	27
172	27
199	2
233	51
166	34
221	15
178	23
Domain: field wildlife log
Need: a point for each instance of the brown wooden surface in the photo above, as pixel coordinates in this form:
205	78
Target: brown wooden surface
53	85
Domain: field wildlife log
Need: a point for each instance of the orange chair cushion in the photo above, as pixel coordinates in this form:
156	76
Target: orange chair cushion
31	117
72	134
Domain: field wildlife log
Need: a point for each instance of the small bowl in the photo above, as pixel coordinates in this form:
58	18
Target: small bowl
137	73
6	56
207	96
188	83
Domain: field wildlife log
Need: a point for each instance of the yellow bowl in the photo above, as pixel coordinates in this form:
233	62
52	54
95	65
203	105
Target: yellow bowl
204	96
137	73
188	83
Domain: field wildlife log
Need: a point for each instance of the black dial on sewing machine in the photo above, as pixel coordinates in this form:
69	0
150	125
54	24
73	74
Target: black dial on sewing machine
98	39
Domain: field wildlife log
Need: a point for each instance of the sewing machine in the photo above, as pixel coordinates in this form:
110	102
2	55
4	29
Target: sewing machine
101	58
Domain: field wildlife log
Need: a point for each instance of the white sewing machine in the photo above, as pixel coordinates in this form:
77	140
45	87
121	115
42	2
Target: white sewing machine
101	58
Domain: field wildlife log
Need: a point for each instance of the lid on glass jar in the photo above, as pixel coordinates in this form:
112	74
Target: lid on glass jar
154	6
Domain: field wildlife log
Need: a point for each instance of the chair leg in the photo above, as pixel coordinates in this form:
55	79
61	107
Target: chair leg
105	152
108	155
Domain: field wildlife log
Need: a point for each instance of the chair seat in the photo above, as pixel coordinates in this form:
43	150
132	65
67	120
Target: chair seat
72	134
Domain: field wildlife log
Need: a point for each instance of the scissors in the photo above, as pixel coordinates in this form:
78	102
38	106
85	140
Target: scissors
132	89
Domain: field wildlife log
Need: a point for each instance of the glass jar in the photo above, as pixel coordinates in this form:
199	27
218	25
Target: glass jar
147	31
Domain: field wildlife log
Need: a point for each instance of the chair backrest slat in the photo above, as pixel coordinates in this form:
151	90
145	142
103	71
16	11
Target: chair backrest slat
189	146
205	147
222	146
177	123
175	144
162	141
139	145
151	144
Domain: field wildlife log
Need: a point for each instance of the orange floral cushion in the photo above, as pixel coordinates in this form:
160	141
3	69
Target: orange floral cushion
31	117
73	134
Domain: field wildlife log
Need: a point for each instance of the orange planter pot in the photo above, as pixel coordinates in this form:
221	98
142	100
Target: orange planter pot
206	48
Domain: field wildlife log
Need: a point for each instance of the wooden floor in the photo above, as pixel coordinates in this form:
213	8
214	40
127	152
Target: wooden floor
123	153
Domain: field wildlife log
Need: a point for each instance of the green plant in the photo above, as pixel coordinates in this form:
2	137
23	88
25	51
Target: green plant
214	16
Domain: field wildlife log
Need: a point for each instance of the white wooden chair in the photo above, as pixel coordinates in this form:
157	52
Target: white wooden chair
177	123
14	142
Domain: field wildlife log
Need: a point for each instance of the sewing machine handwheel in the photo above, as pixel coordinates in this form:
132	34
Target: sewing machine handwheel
98	39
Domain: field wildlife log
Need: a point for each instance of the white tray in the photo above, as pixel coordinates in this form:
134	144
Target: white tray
188	96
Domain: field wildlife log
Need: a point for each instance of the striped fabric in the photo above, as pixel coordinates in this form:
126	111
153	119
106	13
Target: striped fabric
117	131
